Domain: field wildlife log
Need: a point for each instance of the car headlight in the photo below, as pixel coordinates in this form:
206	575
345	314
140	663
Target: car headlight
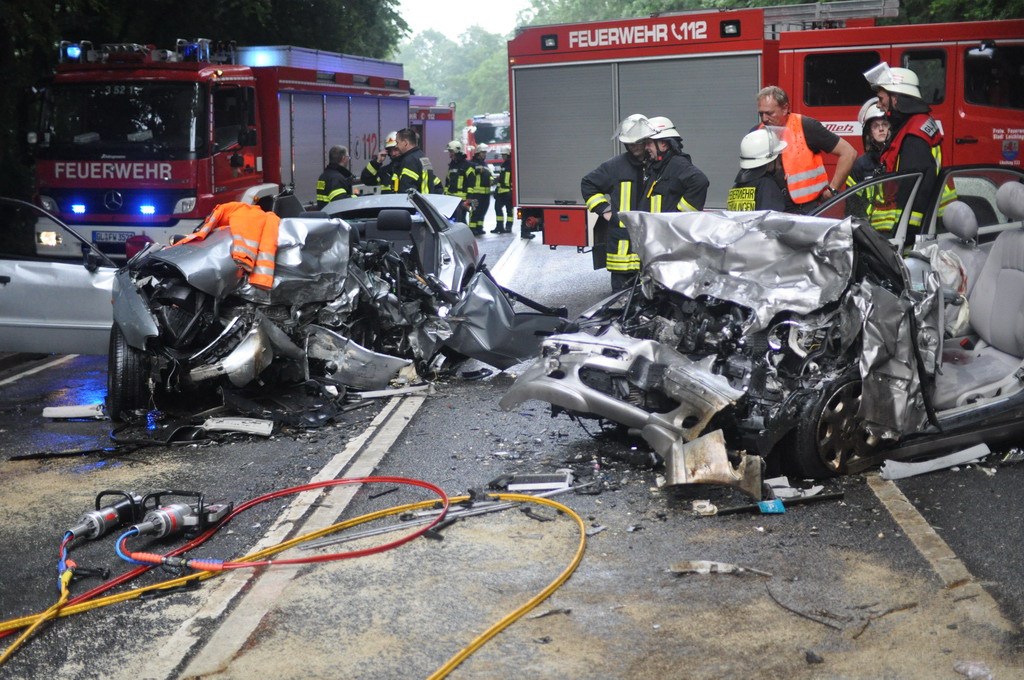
185	205
51	239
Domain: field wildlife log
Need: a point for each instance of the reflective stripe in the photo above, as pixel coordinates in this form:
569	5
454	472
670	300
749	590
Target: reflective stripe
916	218
406	172
622	260
625	189
684	206
656	204
596	199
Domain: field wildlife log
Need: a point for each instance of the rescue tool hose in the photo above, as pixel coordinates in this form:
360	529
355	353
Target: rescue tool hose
60	610
66	607
517	614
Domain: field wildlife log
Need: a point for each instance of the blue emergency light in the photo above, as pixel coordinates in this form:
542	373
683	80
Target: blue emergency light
147	209
78	208
74	52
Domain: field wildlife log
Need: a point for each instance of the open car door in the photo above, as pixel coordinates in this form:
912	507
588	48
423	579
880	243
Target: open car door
47	304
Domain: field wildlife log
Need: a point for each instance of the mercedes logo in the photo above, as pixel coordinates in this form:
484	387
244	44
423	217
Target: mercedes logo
113	201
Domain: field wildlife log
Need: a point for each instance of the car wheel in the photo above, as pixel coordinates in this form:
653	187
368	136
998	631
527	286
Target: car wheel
830	435
127	376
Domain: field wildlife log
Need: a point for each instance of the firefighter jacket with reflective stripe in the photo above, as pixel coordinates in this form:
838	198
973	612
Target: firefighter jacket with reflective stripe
481	183
917	145
504	179
880	211
759	189
616	185
334	182
461	174
253	238
412	170
375	173
675	184
805	170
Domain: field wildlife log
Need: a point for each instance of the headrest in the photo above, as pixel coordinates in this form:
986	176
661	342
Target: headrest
1010	200
960	221
391	219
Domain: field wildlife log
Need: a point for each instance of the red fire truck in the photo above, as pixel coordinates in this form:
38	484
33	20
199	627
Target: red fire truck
491	129
136	141
571	84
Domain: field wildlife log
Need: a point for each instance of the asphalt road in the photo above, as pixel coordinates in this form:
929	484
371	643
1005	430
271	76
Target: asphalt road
853	591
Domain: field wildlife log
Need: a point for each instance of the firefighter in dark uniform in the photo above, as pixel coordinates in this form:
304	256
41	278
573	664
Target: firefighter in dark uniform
761	182
617	185
916	137
503	196
377	172
335	182
412	167
461	174
480	190
674	183
871	203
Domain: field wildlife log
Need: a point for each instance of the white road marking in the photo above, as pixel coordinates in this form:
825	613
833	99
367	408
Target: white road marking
509	261
37	369
359	459
966	594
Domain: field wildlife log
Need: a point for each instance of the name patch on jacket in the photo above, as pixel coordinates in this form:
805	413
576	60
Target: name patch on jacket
930	127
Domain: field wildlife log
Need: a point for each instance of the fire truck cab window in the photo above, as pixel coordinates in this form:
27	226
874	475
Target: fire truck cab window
930	67
126	120
994	76
836	79
228	117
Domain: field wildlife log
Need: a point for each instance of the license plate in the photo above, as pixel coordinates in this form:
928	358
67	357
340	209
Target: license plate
111	236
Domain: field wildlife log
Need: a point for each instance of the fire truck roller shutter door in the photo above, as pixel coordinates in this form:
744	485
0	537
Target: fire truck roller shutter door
711	127
308	143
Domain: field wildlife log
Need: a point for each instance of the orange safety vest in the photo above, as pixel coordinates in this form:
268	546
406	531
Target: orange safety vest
805	171
253	238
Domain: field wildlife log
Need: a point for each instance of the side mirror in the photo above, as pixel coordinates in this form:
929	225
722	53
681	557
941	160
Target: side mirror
237	160
91	260
247	137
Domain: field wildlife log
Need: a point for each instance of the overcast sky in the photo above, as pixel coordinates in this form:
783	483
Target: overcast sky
452	17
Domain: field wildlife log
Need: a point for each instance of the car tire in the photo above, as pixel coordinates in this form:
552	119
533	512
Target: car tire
127	377
829	434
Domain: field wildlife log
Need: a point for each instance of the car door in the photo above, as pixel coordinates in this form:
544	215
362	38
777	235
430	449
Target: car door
873	202
49	304
975	185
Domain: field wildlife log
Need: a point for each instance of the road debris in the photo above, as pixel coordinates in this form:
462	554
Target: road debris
705	508
707	567
973	670
898	470
90	411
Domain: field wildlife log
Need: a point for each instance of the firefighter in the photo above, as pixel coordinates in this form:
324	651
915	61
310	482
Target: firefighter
335	182
412	168
503	197
761	182
674	183
480	190
616	185
916	137
875	134
807	141
376	172
461	174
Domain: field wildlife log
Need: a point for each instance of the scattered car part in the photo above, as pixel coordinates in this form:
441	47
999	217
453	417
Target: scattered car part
91	411
894	469
263	428
707	567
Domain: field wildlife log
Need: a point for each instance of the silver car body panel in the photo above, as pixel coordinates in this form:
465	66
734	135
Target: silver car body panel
766	261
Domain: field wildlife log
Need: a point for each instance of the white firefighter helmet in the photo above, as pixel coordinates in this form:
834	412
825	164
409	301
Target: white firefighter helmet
481	148
893	79
635	128
391	140
869	111
455	146
760	147
664	127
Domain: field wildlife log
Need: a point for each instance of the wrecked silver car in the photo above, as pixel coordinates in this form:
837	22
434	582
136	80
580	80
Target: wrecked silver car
359	291
801	341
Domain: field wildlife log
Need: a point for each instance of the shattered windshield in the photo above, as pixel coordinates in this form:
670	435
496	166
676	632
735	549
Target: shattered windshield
124	120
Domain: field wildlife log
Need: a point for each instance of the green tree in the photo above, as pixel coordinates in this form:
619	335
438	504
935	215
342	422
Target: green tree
471	72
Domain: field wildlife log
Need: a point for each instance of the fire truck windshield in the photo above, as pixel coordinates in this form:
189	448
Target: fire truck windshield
144	120
488	133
